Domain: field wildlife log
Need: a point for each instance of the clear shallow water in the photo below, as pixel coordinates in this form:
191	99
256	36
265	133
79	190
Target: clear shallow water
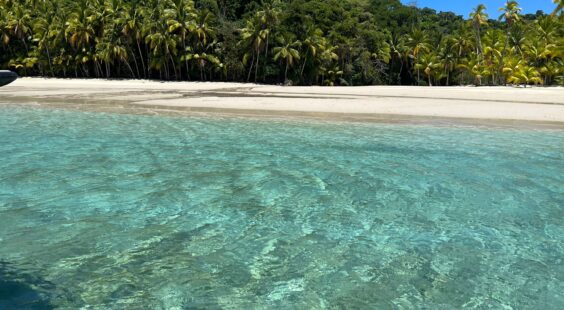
115	211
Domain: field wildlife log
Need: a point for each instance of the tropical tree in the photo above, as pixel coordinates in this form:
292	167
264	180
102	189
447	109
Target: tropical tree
525	75
48	28
79	29
329	69
324	42
559	6
203	30
181	21
448	57
553	68
313	45
418	42
287	51
253	38
430	65
201	60
269	18
163	45
462	42
19	24
475	68
331	74
479	18
132	28
494	43
510	13
5	35
399	53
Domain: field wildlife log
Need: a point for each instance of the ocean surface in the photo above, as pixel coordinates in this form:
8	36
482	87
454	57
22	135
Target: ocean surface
115	211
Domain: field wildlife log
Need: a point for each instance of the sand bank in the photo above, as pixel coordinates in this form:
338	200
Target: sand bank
497	103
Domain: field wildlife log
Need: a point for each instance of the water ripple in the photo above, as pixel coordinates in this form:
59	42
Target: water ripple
132	211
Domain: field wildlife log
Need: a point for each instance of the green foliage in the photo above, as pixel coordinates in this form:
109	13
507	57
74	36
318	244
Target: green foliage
307	42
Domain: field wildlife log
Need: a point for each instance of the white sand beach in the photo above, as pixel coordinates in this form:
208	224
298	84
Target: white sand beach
493	103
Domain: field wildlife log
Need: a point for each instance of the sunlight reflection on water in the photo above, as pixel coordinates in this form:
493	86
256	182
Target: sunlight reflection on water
119	210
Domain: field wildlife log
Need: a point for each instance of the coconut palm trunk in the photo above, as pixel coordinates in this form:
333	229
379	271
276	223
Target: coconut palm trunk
257	65
251	68
141	57
49	60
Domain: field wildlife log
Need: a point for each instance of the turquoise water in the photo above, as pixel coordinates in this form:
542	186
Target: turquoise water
130	211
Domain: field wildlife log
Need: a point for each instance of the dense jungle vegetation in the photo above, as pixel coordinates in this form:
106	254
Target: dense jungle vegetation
299	42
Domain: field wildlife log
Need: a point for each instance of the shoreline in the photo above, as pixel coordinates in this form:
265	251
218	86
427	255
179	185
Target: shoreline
467	103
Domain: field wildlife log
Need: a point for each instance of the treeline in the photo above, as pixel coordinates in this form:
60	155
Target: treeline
300	42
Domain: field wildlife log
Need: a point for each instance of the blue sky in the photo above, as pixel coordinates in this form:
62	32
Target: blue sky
463	7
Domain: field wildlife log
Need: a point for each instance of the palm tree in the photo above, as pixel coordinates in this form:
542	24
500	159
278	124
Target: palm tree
253	37
163	46
313	44
511	65
418	41
517	39
203	30
510	13
131	19
525	75
552	68
79	29
329	65
19	24
494	43
475	68
331	74
398	51
4	33
447	57
559	6
81	34
546	28
182	22
269	17
429	64
542	55
182	39
201	60
462	42
46	30
287	51
110	50
383	53
479	18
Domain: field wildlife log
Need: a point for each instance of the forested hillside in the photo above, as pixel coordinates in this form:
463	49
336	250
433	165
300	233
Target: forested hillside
299	42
